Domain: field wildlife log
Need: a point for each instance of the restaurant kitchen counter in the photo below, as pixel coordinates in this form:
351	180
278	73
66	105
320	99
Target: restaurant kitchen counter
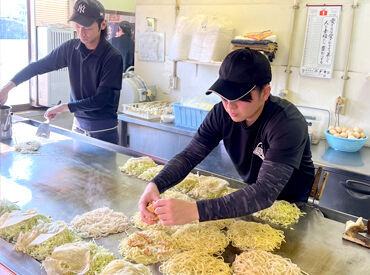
170	139
72	174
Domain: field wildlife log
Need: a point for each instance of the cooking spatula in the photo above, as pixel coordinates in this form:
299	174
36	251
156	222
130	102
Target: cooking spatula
44	128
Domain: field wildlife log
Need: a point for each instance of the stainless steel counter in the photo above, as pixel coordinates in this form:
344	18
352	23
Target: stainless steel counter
73	174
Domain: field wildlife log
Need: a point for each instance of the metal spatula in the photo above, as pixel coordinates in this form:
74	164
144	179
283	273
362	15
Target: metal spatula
44	129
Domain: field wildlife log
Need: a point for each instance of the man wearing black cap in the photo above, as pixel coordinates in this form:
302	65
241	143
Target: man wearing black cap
124	43
95	73
266	138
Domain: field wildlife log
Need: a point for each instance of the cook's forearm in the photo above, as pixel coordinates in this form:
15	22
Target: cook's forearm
181	165
257	196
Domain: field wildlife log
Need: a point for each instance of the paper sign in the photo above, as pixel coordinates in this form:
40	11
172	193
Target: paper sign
320	41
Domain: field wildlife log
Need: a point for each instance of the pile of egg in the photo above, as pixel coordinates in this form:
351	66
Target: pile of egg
343	132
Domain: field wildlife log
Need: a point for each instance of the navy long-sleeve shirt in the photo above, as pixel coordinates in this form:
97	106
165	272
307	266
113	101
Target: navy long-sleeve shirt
95	77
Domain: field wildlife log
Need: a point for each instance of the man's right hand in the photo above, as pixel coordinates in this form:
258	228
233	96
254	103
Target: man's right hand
4	92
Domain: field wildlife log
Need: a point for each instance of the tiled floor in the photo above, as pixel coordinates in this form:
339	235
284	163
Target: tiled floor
63	120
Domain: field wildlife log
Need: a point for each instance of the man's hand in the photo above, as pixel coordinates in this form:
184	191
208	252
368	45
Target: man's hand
150	194
53	111
175	211
4	92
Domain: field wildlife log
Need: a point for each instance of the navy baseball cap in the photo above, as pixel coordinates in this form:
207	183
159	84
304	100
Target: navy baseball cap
86	12
239	74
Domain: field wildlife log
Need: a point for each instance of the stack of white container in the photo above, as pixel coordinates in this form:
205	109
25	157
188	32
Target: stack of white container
202	38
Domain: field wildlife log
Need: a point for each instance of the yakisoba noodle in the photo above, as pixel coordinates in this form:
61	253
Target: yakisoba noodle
218	223
195	262
100	222
208	188
122	267
147	247
136	166
200	238
136	220
251	235
150	173
176	195
253	262
281	213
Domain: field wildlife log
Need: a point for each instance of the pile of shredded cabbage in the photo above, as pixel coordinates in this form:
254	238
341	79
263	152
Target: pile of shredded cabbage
150	173
99	258
40	251
171	193
7	206
188	183
78	258
281	213
12	232
136	166
209	188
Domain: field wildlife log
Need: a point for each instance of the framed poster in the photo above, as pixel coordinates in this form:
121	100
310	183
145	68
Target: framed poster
320	40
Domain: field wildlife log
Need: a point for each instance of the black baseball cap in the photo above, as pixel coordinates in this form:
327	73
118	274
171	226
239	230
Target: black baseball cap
239	74
86	12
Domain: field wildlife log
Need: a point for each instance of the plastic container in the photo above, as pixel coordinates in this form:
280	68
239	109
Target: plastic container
188	117
345	144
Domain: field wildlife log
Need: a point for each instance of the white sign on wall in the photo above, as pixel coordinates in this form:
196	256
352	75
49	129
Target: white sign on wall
320	40
151	46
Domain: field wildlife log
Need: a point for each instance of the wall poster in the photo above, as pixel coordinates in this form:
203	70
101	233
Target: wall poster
320	40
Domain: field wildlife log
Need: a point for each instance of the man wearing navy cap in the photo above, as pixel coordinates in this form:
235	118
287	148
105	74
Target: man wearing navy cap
265	136
95	74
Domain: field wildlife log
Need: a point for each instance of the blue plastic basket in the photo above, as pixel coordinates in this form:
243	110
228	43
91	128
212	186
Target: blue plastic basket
345	144
188	117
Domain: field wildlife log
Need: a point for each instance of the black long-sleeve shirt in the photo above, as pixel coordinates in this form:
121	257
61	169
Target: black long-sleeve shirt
272	155
95	77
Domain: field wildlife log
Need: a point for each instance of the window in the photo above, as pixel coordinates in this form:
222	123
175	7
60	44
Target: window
13	47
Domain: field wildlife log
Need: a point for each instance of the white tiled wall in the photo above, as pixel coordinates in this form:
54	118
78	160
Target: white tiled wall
258	15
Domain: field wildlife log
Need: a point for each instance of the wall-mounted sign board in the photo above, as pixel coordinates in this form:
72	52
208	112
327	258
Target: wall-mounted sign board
151	46
320	40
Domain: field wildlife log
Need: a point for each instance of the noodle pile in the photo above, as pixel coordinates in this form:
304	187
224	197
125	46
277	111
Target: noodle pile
136	220
281	213
208	239
147	247
195	262
100	223
262	262
220	224
250	235
28	147
136	166
122	267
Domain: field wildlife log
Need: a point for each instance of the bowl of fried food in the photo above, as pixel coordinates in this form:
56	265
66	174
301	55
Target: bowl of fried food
346	139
